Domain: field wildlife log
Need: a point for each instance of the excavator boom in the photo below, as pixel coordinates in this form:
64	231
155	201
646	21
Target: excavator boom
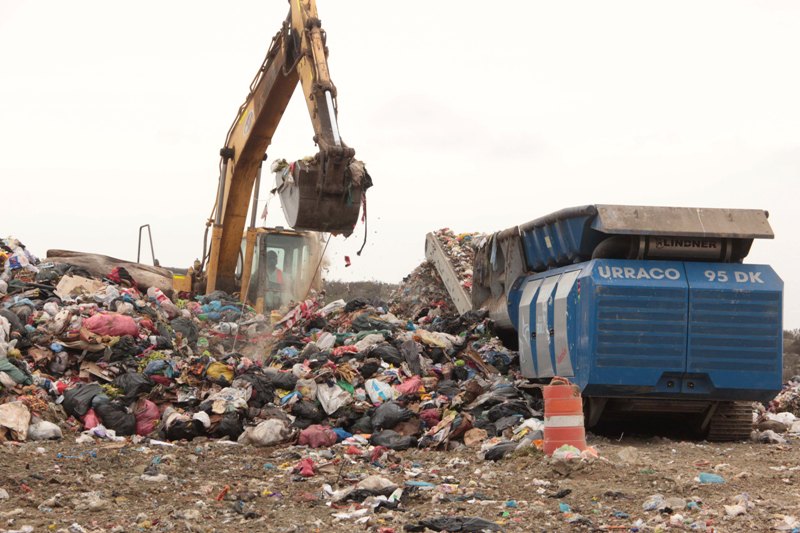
322	194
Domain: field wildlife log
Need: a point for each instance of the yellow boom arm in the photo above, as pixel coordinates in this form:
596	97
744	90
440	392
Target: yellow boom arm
324	194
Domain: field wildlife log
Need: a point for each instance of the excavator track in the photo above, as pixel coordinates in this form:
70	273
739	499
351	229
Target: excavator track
730	422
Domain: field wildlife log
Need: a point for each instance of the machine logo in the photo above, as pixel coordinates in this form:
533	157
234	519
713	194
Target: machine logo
249	118
615	272
707	244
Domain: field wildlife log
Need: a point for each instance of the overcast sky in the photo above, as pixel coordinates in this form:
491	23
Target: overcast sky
472	115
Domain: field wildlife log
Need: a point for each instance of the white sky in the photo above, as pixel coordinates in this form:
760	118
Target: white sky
472	115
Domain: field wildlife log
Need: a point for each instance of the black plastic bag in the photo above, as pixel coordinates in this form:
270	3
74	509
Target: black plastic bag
498	451
125	348
368	368
410	352
186	327
465	524
364	322
511	407
282	380
460	373
355	303
309	411
16	324
78	399
448	388
387	353
162	343
362	425
230	426
263	390
133	385
389	414
507	421
116	416
183	430
392	440
437	355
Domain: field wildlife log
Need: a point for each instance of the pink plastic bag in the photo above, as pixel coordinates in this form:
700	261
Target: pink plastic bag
409	386
317	436
90	419
147	417
305	467
112	324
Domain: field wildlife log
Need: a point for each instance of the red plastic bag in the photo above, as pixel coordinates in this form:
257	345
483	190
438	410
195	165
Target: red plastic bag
431	417
112	324
147	417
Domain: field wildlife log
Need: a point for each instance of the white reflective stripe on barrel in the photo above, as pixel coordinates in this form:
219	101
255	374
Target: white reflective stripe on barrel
563	421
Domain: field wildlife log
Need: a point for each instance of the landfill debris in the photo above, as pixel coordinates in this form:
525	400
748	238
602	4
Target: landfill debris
705	477
454	523
106	357
741	505
788	400
363	412
423	293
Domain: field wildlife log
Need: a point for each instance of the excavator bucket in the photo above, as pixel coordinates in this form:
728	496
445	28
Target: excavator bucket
324	198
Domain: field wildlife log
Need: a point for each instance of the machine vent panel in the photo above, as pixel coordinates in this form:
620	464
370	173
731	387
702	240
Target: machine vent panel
734	330
639	327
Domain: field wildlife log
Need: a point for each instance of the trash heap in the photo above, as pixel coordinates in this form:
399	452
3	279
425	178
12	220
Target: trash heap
423	288
109	358
460	249
788	400
781	417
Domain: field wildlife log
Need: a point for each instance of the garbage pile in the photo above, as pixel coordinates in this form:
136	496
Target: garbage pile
460	249
788	400
424	288
780	417
110	358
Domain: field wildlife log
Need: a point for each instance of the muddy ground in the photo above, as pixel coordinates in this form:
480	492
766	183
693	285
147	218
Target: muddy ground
148	487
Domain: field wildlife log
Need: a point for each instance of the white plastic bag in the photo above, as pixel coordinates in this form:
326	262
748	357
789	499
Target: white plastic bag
267	433
43	430
379	391
332	397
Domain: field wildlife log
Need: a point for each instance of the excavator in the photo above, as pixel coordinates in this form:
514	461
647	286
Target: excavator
323	193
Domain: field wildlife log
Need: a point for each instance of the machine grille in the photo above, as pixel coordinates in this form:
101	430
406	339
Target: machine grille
734	330
641	327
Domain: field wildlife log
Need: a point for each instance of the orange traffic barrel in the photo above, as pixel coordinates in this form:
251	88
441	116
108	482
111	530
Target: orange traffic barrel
563	416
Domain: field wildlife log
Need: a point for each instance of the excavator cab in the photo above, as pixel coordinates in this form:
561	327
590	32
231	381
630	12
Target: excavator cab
282	267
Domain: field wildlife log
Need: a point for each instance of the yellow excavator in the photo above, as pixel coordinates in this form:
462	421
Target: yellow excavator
319	194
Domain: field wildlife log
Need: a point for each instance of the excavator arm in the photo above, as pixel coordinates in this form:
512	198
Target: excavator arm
322	194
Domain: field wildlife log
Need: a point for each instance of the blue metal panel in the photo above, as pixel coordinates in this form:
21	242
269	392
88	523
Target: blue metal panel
544	327
735	325
658	328
526	328
637	321
535	320
553	243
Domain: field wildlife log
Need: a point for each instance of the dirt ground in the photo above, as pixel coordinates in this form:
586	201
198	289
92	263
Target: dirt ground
149	487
